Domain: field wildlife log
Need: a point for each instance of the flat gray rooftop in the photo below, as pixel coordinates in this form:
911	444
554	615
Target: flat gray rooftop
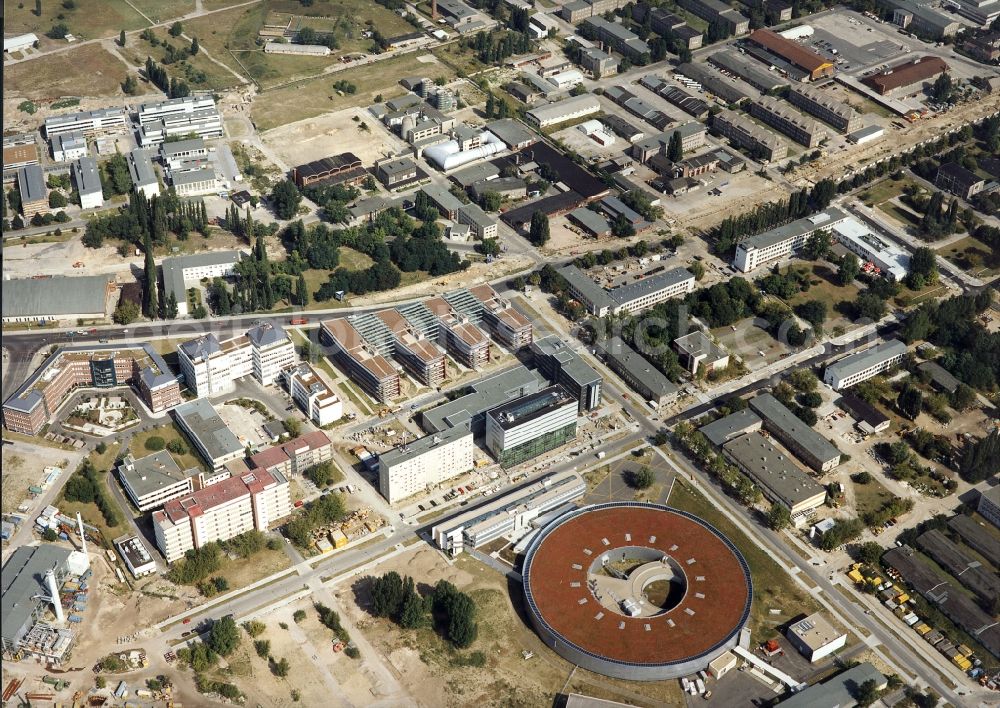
793	427
211	431
401	454
822	220
23	579
151	473
770	468
58	295
724	429
486	393
865	360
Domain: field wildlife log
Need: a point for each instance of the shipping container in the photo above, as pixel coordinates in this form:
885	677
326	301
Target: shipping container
75	619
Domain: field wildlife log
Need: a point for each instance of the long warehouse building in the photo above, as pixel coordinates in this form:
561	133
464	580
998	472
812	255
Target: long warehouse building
828	109
776	114
755	251
804	442
761	143
780	479
862	366
814	65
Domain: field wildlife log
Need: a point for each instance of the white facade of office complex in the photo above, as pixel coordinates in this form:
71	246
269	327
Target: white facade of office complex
237	513
416	473
860	367
99	122
196	269
870	247
782	241
216	372
179	116
682	285
500	437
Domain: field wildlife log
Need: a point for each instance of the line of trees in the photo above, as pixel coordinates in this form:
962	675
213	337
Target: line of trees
159	77
728	475
85	486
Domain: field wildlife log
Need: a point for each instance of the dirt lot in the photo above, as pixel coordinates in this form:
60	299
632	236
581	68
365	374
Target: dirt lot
51	259
423	662
90	19
314	97
331	134
22	467
90	70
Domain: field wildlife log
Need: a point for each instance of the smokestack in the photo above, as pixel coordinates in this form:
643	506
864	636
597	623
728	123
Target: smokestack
50	581
434	10
83	536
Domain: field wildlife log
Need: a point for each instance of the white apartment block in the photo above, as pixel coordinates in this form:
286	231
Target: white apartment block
255	500
211	367
67	147
642	294
179	271
313	395
100	122
423	464
160	110
781	242
856	368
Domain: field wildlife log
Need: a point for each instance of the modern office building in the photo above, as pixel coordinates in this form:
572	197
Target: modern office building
815	637
888	258
778	115
105	121
88	183
557	361
422	464
780	479
732	426
362	362
191	115
636	371
814	66
209	434
153	480
511	514
698	352
482	395
212	367
761	143
102	366
464	341
313	395
862	366
505	322
221	511
828	109
718	11
181	271
30	578
900	79
781	242
564	110
32	190
803	442
295	456
530	426
68	146
140	169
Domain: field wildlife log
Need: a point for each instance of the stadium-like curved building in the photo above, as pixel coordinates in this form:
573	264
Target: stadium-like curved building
636	591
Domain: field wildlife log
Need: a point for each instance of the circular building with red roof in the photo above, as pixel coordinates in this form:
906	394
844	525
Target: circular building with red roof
636	591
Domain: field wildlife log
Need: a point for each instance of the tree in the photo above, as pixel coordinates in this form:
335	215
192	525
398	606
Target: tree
675	148
490	201
923	268
867	693
909	401
286	198
462	627
155	443
538	234
224	636
941	89
177	447
121	38
292	426
848	270
262	647
641	478
322	475
813	312
964	397
149	300
412	613
280	668
697	270
387	595
127	312
869	553
818	245
778	517
57	200
803	380
176	29
130	86
58	31
302	291
195	47
870	306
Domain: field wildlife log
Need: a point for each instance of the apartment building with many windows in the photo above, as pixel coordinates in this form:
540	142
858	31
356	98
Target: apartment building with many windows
781	242
362	362
294	456
825	107
746	134
255	500
211	367
314	396
530	426
423	464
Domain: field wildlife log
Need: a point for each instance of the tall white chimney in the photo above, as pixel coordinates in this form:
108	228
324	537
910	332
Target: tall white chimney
83	536
50	581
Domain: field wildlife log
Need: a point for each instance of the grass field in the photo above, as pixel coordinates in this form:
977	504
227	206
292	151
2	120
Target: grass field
885	190
903	216
169	433
88	20
773	588
312	97
216	77
870	497
972	255
464	61
825	290
159	11
52	77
